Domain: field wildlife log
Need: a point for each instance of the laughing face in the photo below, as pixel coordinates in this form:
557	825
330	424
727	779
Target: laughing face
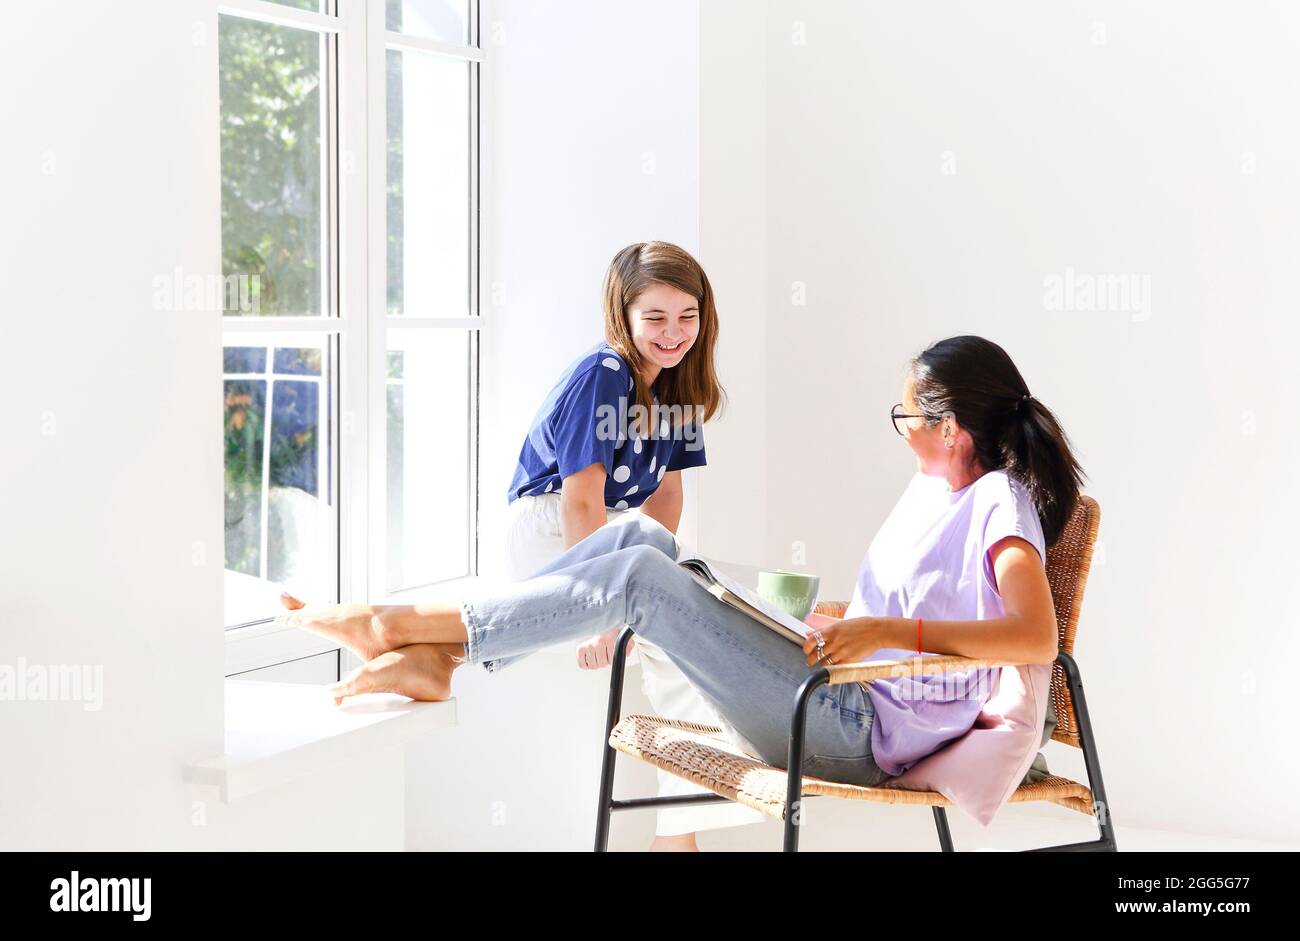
664	322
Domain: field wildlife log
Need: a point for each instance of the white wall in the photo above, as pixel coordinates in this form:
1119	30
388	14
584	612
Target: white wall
592	143
110	178
733	249
1154	139
111	495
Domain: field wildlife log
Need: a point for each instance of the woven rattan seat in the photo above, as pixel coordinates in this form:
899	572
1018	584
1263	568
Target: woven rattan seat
701	754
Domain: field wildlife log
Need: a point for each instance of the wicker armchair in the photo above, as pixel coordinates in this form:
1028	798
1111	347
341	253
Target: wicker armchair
702	754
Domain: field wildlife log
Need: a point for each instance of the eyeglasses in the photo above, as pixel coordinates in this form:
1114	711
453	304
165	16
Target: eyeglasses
897	412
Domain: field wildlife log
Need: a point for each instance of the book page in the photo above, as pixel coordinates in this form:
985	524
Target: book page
752	598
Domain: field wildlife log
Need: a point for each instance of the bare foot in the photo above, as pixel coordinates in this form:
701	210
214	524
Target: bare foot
421	671
683	843
355	626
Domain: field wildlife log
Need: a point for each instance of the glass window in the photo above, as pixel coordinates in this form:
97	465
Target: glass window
278	460
445	20
430	491
428	186
326	496
271	167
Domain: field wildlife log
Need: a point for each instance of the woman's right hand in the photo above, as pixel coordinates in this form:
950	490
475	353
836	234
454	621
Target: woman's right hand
597	652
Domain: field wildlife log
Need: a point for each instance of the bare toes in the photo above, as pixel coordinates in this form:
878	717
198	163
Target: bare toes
373	677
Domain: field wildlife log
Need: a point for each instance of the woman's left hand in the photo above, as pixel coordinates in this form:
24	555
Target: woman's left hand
851	640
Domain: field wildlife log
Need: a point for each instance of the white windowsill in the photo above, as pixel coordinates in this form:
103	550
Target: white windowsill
277	732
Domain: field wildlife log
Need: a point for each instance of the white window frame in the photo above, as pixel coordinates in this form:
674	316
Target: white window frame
357	262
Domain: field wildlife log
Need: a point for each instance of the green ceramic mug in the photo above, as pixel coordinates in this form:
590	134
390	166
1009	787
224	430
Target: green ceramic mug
792	592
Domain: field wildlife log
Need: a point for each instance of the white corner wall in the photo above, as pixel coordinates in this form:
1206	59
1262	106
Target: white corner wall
591	143
925	167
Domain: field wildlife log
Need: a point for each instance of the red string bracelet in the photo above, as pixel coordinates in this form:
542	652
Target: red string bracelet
918	637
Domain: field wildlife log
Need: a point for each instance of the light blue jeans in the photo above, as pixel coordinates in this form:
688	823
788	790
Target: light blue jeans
625	573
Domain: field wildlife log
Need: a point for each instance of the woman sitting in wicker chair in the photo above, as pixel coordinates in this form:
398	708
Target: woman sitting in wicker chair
957	567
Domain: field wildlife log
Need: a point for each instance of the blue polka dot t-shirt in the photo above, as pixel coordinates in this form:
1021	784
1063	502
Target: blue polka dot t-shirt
587	419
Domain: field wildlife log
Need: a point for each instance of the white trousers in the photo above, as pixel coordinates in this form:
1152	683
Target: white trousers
534	539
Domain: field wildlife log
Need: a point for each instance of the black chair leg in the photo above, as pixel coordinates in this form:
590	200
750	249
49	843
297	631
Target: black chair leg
1088	744
605	809
941	824
794	761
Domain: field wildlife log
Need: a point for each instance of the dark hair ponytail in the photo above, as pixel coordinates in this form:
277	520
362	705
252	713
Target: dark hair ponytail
975	380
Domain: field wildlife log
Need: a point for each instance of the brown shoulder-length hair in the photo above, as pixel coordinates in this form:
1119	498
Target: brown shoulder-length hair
693	383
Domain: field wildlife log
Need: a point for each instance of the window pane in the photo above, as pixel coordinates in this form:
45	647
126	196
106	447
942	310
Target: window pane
245	418
271	194
296	362
429	486
280	522
428	186
314	6
240	359
447	20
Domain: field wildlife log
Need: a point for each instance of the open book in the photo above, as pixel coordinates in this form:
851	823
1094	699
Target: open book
729	591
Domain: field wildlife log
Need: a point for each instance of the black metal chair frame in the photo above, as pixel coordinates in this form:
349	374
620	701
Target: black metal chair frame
794	786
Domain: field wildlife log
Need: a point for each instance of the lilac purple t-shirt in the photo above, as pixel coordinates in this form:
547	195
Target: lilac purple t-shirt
930	560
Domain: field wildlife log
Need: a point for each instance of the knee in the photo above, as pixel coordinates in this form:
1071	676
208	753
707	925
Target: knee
646	565
642	530
647	578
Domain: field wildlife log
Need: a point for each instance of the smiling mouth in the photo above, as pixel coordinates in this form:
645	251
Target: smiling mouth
669	349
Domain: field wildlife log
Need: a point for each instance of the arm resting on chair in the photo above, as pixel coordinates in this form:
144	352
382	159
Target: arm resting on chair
883	669
1026	633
